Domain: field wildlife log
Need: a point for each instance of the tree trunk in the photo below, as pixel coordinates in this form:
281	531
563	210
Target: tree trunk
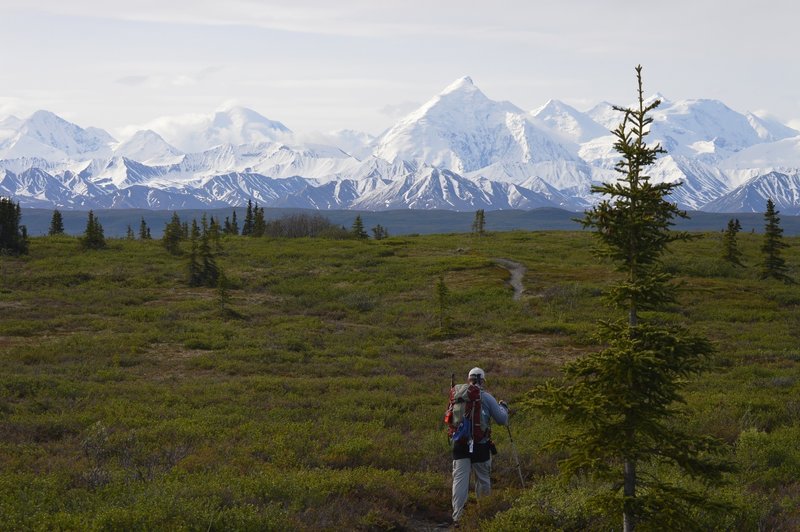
629	491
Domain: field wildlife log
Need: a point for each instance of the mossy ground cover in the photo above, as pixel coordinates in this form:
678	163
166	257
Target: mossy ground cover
314	399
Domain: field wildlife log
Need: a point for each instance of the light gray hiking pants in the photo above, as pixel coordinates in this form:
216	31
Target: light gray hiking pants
461	474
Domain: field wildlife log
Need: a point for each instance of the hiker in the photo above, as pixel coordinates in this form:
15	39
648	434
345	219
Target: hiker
472	444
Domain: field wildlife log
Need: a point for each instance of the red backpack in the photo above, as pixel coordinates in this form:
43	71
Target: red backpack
463	415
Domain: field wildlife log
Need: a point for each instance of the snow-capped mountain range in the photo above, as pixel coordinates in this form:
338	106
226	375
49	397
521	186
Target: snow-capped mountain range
459	151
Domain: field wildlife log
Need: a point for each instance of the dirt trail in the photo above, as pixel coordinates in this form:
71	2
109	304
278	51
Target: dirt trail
517	272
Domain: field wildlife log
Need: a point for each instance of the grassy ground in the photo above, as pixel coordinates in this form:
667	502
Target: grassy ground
313	400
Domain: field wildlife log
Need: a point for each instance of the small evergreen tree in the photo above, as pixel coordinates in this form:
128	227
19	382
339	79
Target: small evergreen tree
173	234
247	227
93	237
234	224
144	231
479	223
223	296
56	224
194	268
215	235
129	233
358	229
442	297
13	236
731	252
208	265
379	232
773	265
259	222
620	402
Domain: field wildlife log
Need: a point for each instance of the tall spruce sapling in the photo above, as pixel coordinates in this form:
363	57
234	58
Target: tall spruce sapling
13	235
144	230
93	235
56	224
357	230
173	234
730	243
479	223
208	263
773	265
193	266
247	226
442	304
621	401
129	233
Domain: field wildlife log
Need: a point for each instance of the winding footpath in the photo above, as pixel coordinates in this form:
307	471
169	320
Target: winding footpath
517	272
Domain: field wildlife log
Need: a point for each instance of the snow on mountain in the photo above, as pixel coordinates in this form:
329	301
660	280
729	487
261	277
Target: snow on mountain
782	156
460	150
704	129
463	130
752	196
148	147
236	125
567	122
700	183
47	136
604	114
355	143
769	129
35	188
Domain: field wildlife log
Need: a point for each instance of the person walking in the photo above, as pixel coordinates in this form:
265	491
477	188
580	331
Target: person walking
472	445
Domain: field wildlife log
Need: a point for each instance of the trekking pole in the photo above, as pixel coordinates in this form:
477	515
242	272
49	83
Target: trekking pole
516	456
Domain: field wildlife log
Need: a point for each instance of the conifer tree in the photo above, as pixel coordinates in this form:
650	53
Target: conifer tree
259	222
173	234
379	232
144	231
208	265
93	237
620	402
358	229
13	236
479	223
234	224
731	252
247	227
129	233
195	270
215	235
442	296
56	224
773	265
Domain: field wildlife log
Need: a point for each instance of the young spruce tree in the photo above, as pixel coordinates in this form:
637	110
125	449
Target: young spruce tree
357	230
56	224
13	236
730	244
93	236
774	265
173	234
621	402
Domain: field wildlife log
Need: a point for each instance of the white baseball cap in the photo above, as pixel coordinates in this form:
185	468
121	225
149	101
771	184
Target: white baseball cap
477	372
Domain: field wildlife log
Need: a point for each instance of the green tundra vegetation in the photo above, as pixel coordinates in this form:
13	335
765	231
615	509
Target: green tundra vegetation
306	391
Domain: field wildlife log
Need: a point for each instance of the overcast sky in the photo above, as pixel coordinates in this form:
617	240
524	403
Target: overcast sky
324	65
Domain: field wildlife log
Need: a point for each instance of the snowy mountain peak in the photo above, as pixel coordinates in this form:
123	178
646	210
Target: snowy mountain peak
658	96
460	129
567	122
234	125
48	136
461	84
148	147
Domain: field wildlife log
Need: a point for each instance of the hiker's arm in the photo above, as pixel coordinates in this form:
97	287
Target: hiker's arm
498	413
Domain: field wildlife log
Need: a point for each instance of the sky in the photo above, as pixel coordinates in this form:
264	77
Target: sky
363	64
